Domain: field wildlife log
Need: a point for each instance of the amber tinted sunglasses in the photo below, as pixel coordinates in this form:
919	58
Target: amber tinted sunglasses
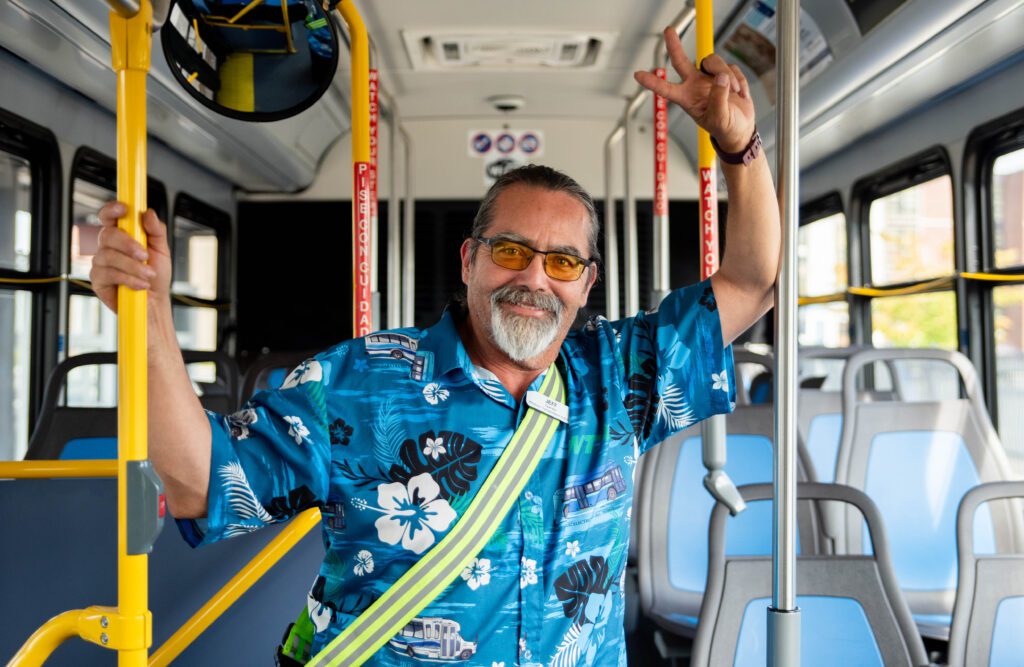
517	256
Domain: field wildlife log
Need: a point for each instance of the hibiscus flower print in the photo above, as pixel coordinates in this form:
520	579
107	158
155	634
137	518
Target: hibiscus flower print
296	429
572	548
527	572
721	381
413	514
341	433
435	393
364	563
240	422
308	371
434	448
478	573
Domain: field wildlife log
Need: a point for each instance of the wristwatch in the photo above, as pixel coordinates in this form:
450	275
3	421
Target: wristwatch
745	156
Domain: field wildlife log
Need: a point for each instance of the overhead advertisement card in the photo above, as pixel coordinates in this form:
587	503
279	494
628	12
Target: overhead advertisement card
753	43
504	150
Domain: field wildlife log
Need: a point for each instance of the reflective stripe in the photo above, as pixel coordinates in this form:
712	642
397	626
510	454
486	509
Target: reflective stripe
428	577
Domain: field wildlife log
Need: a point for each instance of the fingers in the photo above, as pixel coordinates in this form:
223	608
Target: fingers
156	231
744	86
119	241
110	213
714	66
718	113
682	65
654	83
112	267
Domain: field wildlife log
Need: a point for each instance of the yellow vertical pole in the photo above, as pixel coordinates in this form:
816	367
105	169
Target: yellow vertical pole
362	320
706	155
130	41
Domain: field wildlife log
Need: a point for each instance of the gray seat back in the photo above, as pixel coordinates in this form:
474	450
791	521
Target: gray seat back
58	425
260	374
916	461
672	525
852	610
988	617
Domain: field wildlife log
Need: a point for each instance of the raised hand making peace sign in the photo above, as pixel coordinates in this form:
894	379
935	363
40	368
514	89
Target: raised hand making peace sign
717	98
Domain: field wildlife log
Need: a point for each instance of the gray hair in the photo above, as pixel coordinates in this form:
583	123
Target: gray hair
538	176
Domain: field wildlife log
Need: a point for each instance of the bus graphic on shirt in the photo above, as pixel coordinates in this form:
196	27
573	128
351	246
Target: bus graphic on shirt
434	638
591	489
398	347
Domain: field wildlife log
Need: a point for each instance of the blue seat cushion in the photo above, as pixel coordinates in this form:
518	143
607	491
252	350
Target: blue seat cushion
833	631
86	449
823	436
1008	634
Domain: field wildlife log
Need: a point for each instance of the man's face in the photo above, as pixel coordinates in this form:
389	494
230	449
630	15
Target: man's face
525	313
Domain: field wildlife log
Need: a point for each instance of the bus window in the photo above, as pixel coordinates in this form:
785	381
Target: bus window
15	305
822	270
86	201
912	233
199	251
1007	207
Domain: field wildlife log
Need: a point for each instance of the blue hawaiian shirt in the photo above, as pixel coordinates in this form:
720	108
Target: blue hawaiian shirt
392	435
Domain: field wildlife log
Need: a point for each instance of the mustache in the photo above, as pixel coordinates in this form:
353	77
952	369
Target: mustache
523	296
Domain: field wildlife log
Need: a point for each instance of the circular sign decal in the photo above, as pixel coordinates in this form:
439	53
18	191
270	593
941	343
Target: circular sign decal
506	143
529	143
482	142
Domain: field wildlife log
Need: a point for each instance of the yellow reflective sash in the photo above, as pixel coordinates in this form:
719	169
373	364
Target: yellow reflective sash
425	580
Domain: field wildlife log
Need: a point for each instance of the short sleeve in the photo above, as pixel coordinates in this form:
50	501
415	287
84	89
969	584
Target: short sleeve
270	460
677	371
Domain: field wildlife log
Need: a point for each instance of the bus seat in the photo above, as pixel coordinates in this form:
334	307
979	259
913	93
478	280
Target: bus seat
672	531
852	610
916	460
72	564
988	617
68	432
269	370
752	369
820	405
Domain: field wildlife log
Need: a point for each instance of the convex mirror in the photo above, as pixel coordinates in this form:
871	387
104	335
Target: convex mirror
256	60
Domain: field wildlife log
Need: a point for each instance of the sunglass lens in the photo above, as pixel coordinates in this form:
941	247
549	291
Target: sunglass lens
563	267
511	255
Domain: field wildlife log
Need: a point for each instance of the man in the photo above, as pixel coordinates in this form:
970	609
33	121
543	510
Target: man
393	434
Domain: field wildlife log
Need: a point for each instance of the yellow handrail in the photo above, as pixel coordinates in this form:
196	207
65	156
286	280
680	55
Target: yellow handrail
57	469
992	277
131	40
362	320
238	585
824	298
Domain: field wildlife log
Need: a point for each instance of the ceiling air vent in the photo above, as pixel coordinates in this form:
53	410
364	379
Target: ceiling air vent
489	50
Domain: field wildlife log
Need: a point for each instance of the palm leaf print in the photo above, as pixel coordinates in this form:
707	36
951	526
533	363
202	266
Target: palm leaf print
568	652
454	469
241	498
387	433
233	529
673	408
317	396
576	584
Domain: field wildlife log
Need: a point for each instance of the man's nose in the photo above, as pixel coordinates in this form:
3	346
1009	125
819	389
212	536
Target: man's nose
534	277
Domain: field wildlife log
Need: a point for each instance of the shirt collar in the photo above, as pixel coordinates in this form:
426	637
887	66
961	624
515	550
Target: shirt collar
438	340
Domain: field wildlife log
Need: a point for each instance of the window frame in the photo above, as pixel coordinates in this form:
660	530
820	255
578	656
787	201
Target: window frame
820	208
906	173
201	213
38	145
985	144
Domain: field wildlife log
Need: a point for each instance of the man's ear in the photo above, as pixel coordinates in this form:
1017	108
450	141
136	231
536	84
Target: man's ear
466	251
590	279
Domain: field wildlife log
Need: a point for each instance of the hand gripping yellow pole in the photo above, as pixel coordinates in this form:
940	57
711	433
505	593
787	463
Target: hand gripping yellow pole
130	41
362	320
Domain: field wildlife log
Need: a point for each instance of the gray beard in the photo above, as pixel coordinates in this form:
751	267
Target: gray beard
520	337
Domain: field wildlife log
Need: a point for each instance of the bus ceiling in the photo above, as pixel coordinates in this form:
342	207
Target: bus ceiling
883	61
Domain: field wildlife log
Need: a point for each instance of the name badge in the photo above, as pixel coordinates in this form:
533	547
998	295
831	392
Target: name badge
548	406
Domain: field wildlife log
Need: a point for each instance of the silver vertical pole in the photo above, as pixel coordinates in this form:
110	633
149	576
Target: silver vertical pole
611	237
408	240
783	615
629	238
394	267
